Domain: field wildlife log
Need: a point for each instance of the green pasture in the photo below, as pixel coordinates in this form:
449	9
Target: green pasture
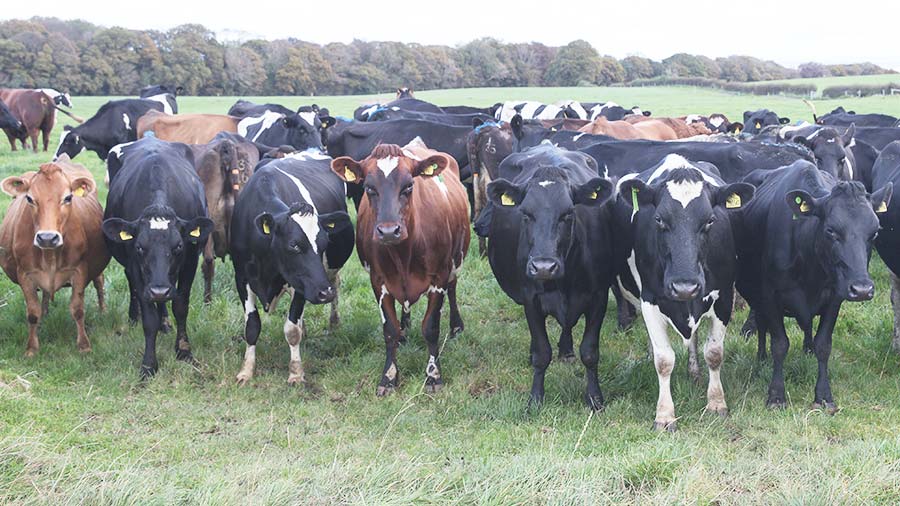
81	429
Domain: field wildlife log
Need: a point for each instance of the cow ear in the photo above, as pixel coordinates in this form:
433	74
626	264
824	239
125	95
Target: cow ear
197	230
118	230
882	198
636	193
803	141
335	222
747	116
847	138
595	192
15	186
784	121
504	193
516	124
265	223
735	128
734	196
348	169
477	122
67	127
431	166
327	121
83	186
801	203
647	113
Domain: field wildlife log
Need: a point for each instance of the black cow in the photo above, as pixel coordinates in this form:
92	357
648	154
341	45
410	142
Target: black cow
163	94
887	172
841	117
389	113
832	151
407	104
9	121
675	259
115	123
465	109
156	225
289	230
803	248
754	121
550	250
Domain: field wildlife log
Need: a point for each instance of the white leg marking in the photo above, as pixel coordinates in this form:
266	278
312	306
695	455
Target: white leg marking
246	371
293	334
432	369
714	352
664	358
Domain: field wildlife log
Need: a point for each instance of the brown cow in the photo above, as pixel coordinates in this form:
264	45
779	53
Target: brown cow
565	123
412	234
52	237
186	128
617	129
35	110
224	166
680	126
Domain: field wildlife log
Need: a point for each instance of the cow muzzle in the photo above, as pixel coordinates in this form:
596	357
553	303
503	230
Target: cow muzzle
48	239
159	293
326	295
544	269
861	290
389	233
683	290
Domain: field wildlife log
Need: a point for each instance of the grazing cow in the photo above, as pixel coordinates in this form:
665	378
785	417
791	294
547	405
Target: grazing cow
10	122
528	110
754	121
564	124
676	261
550	249
289	231
887	172
593	110
407	104
803	249
412	235
35	110
115	123
163	94
156	225
51	237
841	117
57	97
307	116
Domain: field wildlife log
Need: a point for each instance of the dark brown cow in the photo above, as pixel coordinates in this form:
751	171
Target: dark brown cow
224	166
52	237
35	110
186	128
412	234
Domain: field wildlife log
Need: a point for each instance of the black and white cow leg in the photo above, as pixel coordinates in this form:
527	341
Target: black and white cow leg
431	330
293	334
895	304
541	351
151	324
252	326
625	311
391	329
664	359
714	353
334	278
590	354
693	362
456	322
822	347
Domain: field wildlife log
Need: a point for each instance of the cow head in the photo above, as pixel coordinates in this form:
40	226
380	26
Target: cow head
404	93
295	239
673	218
547	204
487	145
70	143
63	99
49	194
832	151
303	130
388	177
754	121
158	240
844	228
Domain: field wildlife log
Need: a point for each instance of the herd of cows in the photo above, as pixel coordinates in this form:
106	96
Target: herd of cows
570	201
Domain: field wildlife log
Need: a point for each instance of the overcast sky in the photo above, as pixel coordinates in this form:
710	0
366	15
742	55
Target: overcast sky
789	32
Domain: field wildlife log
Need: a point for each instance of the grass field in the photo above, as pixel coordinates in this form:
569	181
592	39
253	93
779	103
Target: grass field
81	429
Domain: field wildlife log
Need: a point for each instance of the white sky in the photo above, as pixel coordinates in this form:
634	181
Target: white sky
789	32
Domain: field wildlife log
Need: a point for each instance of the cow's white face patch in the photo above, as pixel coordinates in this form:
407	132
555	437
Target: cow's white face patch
62	137
684	191
265	121
716	121
370	110
576	137
162	99
127	121
545	184
158	223
309	117
387	165
692	118
310	225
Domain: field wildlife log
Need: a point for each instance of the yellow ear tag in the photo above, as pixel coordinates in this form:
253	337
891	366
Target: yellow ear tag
758	125
195	232
804	206
593	196
330	225
266	229
506	200
79	192
125	236
429	171
733	201
882	208
348	175
737	130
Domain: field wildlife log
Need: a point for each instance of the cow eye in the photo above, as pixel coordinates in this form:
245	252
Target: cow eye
709	223
296	247
29	199
67	199
407	190
831	233
178	247
660	223
371	191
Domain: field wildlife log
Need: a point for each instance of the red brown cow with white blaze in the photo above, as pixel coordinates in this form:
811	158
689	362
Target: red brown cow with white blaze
412	235
52	237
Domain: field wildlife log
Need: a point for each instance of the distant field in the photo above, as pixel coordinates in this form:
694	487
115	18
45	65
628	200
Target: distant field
87	432
824	82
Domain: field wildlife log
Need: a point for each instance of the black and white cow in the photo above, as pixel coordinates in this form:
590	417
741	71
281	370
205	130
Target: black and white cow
289	232
833	151
675	260
593	110
58	98
717	123
754	121
550	250
466	109
528	110
886	171
156	225
841	117
164	95
115	123
276	125
803	249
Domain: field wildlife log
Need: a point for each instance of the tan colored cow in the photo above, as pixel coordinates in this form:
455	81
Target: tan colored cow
186	128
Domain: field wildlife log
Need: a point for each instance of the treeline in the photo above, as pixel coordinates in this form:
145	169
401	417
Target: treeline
86	59
762	88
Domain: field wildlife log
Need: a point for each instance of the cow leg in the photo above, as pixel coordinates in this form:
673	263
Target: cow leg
391	330
33	312
431	330
895	304
12	140
76	309
45	302
822	345
99	286
693	363
780	345
590	354
334	277
480	199
405	323
134	303
625	312
751	324
806	327
566	347
760	339
252	327
456	322
664	359
180	307
34	139
45	136
293	334
209	271
541	352
714	353
151	323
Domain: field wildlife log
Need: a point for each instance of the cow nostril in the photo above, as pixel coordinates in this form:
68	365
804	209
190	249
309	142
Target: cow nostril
326	295
685	290
160	292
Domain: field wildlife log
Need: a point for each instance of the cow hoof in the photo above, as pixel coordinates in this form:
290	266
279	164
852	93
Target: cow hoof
762	357
749	328
30	353
433	386
567	357
185	356
85	349
147	372
165	327
402	339
296	379
595	402
829	408
384	390
455	332
721	411
334	322
625	323
243	378
669	427
776	404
